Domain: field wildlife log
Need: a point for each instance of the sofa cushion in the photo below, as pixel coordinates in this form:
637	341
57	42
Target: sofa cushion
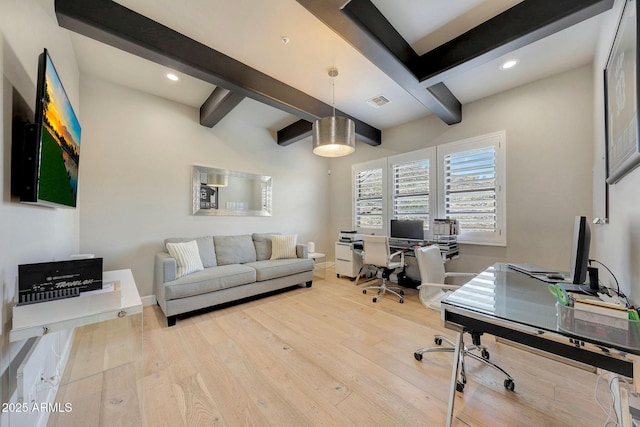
234	249
186	256
205	248
283	246
262	242
272	269
210	280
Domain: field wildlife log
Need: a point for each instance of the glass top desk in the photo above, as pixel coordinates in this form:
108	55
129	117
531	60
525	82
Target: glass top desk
512	305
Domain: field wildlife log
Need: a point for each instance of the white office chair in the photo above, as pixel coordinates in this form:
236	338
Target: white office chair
376	254
433	275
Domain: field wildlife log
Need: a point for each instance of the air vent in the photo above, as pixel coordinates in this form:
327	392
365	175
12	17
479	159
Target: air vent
378	101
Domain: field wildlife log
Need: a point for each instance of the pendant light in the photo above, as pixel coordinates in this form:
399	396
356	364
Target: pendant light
333	136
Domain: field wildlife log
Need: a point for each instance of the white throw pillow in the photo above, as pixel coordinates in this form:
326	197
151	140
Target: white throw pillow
283	246
187	257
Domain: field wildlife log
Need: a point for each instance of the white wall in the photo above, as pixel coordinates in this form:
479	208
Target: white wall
135	175
27	233
549	133
618	242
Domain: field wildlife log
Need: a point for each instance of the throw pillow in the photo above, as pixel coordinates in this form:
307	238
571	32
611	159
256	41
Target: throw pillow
187	257
205	248
234	249
283	246
262	242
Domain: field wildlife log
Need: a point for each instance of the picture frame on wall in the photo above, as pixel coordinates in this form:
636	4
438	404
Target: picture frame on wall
208	197
621	98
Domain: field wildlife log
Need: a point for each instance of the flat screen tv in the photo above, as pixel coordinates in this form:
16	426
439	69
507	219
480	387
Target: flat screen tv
580	250
412	229
51	145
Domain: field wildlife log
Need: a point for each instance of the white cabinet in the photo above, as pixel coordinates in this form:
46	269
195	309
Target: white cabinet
348	263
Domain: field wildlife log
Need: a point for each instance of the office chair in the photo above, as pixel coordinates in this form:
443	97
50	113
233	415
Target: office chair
376	254
433	275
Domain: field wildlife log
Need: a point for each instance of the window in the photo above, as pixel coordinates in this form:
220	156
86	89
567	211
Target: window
463	180
411	183
370	193
472	175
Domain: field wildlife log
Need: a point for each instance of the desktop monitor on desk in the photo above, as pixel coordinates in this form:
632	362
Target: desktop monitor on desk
578	264
411	229
580	250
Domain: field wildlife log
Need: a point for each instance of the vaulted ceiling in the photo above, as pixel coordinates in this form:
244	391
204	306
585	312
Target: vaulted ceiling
424	56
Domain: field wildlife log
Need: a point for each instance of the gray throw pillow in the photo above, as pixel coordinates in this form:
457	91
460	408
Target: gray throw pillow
234	249
262	242
205	248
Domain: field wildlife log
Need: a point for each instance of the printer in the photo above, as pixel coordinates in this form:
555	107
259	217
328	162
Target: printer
349	236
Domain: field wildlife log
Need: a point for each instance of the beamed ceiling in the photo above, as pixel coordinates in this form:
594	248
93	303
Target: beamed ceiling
425	56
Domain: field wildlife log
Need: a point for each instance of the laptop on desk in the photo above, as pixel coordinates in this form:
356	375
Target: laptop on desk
531	269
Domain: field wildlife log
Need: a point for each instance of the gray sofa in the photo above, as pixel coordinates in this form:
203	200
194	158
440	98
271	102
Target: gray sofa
235	267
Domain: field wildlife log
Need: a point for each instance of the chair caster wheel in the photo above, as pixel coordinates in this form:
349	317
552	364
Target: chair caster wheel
485	354
418	356
459	386
438	341
401	300
375	299
509	384
364	291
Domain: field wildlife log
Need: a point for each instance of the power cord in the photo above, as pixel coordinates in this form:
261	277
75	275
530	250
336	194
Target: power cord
608	412
617	290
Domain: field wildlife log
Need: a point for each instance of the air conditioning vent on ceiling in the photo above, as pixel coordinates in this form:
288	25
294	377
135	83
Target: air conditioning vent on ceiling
378	101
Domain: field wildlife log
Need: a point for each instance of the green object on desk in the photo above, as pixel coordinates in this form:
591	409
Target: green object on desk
560	293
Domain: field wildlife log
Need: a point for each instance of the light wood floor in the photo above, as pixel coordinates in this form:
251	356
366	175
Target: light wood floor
329	356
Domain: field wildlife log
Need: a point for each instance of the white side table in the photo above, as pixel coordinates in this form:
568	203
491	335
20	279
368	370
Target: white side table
319	268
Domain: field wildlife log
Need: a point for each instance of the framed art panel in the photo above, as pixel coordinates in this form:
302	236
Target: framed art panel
621	98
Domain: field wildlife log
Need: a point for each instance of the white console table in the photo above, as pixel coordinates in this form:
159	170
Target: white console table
100	372
34	320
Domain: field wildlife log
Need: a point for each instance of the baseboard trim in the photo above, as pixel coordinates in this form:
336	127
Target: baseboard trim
148	300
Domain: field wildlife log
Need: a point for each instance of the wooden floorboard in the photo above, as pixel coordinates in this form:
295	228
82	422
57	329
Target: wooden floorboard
326	356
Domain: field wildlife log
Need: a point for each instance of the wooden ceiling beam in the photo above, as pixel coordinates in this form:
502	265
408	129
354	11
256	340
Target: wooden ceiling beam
523	24
366	29
218	105
362	25
113	24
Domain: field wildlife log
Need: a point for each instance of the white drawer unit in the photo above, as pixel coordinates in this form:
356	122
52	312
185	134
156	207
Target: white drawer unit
348	263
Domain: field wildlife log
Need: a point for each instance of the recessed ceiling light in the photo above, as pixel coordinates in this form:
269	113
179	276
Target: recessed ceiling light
172	77
508	64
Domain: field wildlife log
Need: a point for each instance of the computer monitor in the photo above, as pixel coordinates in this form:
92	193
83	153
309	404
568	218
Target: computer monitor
580	250
412	229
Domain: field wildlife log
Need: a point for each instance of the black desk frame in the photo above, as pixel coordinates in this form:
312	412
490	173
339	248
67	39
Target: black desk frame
573	347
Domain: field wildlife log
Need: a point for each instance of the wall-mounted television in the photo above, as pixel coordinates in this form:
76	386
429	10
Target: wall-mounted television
50	153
